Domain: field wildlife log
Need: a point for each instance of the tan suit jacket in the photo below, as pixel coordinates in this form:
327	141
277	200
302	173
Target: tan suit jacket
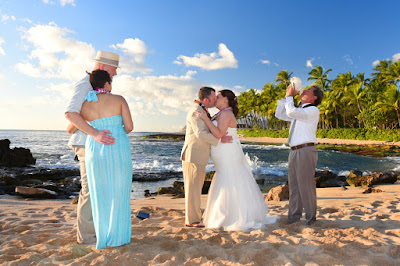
198	139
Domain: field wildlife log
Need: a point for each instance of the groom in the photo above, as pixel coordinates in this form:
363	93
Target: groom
195	155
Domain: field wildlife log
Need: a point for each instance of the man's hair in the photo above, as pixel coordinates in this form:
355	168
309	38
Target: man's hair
319	93
205	92
98	78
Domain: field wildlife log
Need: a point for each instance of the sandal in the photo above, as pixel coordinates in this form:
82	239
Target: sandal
195	224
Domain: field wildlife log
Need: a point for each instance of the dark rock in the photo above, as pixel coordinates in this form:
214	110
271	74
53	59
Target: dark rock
327	179
29	192
278	193
260	181
373	179
167	136
16	157
66	182
148	194
155	176
355	173
30	182
167	190
179	185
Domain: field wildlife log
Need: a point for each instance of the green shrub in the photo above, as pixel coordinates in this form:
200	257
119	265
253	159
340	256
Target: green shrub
391	135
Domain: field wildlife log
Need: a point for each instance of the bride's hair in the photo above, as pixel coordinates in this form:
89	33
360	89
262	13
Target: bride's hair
99	78
232	101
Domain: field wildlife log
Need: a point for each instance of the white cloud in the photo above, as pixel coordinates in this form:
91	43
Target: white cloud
309	63
223	59
267	62
62	2
1	49
134	56
376	62
55	55
151	96
348	59
6	17
164	94
396	57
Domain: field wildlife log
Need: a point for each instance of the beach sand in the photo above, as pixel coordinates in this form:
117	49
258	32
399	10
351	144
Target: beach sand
352	229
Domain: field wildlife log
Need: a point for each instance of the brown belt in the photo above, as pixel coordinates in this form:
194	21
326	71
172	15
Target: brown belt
302	146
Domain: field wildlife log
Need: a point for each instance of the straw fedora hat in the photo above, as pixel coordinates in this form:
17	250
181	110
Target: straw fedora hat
107	58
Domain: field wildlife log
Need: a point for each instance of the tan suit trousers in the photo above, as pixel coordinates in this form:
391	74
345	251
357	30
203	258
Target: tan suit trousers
193	177
302	189
85	232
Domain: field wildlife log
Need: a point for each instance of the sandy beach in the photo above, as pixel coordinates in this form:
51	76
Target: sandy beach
352	229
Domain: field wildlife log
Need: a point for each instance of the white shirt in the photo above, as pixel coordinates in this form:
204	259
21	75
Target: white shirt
81	89
305	130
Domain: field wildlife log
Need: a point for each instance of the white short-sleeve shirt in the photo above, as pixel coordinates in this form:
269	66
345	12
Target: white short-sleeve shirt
81	89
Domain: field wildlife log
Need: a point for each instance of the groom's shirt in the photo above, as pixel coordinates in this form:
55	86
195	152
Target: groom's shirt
81	89
305	127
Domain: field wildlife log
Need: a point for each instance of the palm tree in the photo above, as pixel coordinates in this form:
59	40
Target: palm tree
283	78
394	72
325	109
248	104
382	70
268	98
356	92
320	77
390	101
339	86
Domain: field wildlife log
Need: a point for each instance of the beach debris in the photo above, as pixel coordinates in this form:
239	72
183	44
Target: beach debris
142	215
372	190
278	193
75	200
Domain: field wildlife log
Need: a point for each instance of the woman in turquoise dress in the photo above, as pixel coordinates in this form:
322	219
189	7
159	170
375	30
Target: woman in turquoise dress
109	167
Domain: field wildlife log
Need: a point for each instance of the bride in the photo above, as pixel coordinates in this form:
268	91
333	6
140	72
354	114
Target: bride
234	201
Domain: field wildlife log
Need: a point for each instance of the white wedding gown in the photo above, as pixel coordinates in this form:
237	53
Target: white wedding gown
235	201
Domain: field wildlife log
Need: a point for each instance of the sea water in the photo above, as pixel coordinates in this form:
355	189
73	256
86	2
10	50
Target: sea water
162	156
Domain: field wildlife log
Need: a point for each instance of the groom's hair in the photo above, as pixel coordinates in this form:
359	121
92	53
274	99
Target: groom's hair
205	92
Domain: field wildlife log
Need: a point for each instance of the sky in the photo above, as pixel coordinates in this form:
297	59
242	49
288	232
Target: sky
170	49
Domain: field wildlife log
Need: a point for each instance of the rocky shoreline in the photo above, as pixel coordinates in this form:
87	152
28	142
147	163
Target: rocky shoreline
18	176
359	147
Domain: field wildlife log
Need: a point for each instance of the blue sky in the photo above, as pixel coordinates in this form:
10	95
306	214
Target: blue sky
169	49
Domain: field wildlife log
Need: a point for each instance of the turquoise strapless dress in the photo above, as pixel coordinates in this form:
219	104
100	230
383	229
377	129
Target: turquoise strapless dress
109	173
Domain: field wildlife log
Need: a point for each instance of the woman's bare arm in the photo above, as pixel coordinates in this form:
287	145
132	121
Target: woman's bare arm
126	116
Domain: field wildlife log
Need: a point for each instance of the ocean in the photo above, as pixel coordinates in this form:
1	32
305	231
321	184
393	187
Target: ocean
163	156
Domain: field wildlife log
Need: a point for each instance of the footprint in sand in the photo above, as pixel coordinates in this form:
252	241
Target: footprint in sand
377	203
328	210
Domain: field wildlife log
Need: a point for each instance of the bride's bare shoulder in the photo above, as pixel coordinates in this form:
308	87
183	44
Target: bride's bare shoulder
227	113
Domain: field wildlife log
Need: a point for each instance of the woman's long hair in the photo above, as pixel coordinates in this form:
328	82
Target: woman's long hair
232	100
